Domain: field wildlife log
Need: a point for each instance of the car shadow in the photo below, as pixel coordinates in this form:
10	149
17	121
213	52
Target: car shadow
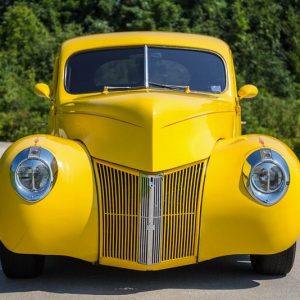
71	276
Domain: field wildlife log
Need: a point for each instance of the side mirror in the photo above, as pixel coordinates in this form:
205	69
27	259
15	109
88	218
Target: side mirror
42	90
247	91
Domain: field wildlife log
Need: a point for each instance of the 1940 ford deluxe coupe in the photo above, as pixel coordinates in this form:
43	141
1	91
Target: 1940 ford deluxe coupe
144	166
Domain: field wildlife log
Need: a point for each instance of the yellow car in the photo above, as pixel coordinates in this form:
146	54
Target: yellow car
144	166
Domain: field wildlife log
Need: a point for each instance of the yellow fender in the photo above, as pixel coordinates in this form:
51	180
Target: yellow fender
232	222
65	222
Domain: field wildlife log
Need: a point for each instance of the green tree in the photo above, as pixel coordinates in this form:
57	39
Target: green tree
26	56
264	36
149	15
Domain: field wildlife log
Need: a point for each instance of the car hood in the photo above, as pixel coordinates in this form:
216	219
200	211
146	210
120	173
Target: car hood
149	131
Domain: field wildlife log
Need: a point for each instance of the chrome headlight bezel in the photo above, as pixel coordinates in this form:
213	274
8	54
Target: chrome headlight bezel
268	159
34	155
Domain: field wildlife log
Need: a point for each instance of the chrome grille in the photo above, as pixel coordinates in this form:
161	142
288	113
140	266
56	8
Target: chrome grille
149	218
119	192
181	195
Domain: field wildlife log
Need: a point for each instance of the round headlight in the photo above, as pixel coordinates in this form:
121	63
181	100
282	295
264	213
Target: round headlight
34	171
269	176
33	175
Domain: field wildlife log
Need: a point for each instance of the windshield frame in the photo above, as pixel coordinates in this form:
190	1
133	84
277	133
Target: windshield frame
146	69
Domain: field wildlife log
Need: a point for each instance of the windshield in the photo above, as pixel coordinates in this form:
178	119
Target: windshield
138	67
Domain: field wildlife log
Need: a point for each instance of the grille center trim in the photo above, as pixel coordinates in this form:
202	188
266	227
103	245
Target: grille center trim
151	191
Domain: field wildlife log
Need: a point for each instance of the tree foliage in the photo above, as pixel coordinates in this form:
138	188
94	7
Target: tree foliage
264	36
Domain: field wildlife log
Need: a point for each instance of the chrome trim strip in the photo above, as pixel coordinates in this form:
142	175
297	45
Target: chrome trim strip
146	73
150	225
151	191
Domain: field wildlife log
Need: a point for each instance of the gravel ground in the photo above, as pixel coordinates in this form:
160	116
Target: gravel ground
223	278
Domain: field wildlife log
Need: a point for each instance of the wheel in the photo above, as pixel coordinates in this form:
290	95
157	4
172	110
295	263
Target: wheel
274	264
21	265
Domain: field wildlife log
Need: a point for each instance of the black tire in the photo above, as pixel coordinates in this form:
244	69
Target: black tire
274	264
21	265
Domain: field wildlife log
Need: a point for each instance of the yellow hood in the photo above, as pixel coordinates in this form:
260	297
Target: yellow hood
145	130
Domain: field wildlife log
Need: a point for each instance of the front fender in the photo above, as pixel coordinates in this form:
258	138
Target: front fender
65	222
232	222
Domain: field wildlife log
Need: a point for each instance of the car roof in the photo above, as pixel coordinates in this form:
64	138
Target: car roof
121	39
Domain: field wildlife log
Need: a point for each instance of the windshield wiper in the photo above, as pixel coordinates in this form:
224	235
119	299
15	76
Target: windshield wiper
107	88
186	88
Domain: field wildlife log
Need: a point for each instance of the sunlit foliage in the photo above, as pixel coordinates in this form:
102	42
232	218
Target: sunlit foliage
264	36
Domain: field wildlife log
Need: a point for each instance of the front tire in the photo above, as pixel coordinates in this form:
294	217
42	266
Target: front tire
274	264
21	265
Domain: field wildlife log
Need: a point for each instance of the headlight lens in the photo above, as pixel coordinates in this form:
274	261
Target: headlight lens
33	173
269	177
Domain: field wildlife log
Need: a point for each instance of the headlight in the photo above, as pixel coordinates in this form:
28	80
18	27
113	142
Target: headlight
268	177
33	173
